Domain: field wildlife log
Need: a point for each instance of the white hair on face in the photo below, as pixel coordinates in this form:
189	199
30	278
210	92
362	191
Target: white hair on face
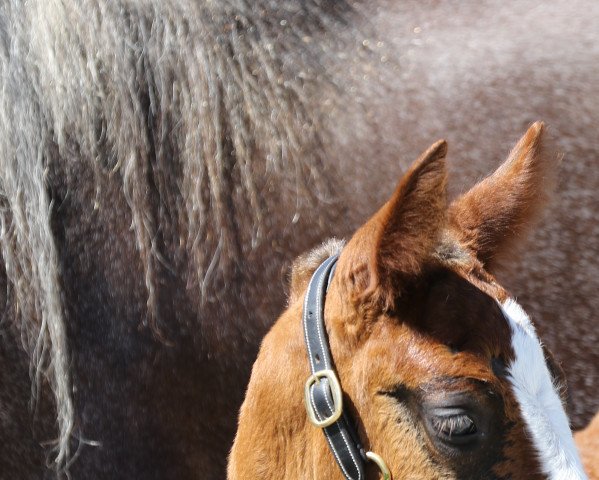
540	404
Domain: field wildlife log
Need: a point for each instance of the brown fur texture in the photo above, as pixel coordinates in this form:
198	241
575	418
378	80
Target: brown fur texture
444	336
587	441
303	267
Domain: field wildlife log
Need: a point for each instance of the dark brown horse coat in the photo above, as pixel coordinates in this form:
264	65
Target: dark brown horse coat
162	162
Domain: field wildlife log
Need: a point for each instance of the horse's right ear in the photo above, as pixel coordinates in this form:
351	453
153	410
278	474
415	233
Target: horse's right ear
496	213
391	247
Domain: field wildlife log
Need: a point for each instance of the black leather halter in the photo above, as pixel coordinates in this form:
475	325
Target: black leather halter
323	394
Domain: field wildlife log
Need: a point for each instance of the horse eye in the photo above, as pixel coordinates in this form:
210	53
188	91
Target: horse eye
454	427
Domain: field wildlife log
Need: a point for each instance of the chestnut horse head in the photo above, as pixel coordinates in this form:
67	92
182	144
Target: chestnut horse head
442	373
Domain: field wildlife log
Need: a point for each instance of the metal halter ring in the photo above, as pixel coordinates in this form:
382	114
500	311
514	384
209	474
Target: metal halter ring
337	398
373	457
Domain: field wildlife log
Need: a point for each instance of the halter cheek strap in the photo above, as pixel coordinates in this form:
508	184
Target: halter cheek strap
323	393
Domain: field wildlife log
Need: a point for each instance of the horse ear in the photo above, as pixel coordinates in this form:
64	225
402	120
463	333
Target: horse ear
497	212
393	244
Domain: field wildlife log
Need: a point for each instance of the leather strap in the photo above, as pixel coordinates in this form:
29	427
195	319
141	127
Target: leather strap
341	434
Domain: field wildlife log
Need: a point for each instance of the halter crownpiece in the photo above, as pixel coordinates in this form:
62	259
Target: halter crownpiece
323	394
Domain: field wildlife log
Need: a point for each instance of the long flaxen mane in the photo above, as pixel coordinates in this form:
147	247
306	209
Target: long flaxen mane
186	103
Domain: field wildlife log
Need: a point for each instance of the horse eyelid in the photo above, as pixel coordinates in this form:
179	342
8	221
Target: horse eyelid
399	392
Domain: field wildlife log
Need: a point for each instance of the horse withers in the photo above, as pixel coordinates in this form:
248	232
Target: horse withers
442	373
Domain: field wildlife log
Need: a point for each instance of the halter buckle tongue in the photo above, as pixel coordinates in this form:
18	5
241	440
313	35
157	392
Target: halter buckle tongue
318	380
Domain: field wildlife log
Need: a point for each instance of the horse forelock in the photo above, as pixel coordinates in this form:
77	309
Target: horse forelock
185	102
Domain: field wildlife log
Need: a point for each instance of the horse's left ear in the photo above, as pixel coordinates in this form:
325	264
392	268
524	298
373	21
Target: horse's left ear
498	211
392	246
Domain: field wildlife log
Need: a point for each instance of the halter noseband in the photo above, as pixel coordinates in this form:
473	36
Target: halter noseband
323	394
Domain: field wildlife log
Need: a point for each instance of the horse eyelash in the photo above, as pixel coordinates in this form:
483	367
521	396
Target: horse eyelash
454	423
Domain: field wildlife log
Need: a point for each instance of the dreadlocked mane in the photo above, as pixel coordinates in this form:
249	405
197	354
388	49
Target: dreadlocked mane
207	96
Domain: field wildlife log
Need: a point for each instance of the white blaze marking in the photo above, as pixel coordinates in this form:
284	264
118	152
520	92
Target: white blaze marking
540	404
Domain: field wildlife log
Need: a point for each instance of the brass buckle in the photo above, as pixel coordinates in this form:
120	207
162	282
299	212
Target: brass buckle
337	398
377	459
